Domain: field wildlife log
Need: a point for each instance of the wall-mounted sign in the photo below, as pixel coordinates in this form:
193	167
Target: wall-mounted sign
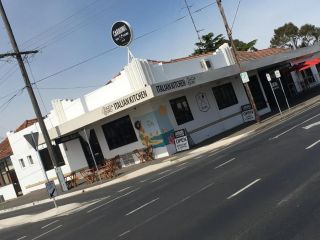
177	84
121	33
118	105
244	77
181	140
247	113
202	102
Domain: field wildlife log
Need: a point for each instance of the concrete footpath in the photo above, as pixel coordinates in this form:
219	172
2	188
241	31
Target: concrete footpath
210	146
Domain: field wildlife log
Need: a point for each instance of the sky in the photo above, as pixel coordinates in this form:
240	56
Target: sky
69	32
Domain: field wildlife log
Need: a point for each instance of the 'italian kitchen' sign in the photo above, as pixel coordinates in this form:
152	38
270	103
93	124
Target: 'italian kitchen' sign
175	85
125	102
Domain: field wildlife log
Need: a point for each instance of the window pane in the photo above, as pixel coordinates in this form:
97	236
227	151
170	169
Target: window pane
225	95
46	161
22	163
30	160
119	132
181	110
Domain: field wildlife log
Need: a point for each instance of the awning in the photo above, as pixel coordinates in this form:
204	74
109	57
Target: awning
305	65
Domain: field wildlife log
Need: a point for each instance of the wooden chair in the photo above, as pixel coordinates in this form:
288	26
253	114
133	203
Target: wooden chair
88	175
149	153
141	155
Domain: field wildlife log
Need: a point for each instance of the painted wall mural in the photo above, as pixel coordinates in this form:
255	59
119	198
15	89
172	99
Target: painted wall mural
155	128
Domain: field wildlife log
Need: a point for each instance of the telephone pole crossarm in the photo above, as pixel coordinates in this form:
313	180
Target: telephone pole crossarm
14	54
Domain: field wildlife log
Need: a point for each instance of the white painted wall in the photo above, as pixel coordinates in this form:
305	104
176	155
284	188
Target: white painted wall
31	177
8	192
75	155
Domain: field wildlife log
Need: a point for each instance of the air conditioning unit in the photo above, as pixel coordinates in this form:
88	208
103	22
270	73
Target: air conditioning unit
206	64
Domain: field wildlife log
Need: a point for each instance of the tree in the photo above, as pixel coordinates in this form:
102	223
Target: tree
309	34
209	43
289	33
284	35
242	46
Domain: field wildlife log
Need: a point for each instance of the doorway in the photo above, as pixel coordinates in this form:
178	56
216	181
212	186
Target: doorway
257	93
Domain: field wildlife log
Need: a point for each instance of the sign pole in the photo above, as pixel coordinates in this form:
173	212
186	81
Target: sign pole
41	165
93	157
274	95
285	95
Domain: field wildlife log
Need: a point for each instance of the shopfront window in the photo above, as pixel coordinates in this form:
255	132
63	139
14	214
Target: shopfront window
119	133
46	160
181	110
308	75
4	173
225	95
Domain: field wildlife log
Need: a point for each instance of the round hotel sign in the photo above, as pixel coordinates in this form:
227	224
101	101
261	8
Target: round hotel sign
121	33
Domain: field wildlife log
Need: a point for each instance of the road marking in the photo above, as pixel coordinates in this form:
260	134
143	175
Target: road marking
182	164
41	235
112	200
49	224
142	206
204	188
311	125
126	232
242	189
123	189
232	159
158	179
279	135
164	171
144	180
21	237
313	144
198	157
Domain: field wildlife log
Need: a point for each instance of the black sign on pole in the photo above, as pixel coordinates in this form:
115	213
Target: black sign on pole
121	33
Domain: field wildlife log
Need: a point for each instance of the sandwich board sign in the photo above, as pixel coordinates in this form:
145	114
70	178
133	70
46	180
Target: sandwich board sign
181	140
51	188
247	113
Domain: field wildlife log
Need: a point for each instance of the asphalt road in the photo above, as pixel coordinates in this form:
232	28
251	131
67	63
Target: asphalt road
266	187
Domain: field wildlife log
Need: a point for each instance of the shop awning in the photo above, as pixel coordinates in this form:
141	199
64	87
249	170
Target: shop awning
305	65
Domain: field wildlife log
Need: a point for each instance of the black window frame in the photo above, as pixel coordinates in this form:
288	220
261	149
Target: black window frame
225	95
46	161
184	114
119	133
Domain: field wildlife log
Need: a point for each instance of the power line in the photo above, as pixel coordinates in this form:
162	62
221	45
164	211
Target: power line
235	15
5	105
114	48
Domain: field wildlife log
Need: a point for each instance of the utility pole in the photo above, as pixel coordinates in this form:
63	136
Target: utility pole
236	57
32	96
194	24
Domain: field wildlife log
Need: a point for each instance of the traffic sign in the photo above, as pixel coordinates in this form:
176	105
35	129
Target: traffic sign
244	77
121	33
277	73
51	188
268	77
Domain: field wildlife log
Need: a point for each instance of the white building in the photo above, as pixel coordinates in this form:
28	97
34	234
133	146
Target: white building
149	100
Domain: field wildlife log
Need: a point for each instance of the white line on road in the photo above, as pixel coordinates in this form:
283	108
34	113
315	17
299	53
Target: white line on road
112	200
198	157
313	144
124	233
142	206
168	170
49	224
123	189
242	189
232	159
181	164
279	135
21	237
204	188
47	232
158	179
311	125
